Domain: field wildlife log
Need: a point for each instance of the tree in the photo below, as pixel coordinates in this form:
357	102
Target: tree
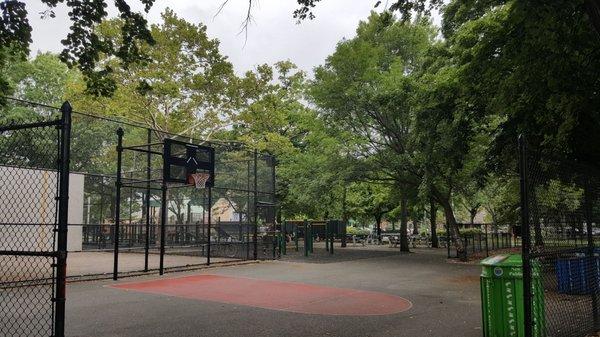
517	64
45	80
500	199
394	88
185	89
312	168
83	46
370	201
408	8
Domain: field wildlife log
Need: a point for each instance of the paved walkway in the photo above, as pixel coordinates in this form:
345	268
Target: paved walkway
97	263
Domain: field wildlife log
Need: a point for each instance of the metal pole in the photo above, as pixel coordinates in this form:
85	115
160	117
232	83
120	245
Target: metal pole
248	211
487	250
163	224
148	177
203	217
327	235
63	218
296	236
526	245
331	235
305	238
209	215
312	238
592	276
101	237
118	203
284	237
255	206
344	217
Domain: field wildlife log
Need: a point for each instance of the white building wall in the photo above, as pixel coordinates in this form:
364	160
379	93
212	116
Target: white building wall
28	209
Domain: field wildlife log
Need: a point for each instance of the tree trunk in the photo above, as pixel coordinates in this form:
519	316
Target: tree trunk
415	227
378	228
404	247
473	214
453	231
433	218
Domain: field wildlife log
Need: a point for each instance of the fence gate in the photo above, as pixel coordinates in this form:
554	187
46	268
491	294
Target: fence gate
34	184
560	205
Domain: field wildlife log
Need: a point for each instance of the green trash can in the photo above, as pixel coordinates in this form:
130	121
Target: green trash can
502	297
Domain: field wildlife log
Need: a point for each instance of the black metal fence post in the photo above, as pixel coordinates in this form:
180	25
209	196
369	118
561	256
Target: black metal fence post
526	241
164	209
255	205
327	235
209	219
148	177
296	233
306	247
332	232
487	250
118	184
284	237
63	218
591	260
248	216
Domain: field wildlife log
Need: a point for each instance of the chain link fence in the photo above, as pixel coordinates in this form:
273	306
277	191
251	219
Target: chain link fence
34	187
243	200
561	236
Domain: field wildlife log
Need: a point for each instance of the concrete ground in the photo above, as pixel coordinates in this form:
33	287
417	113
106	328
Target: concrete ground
445	298
101	262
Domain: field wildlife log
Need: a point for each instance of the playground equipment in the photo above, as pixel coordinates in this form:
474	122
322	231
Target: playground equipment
328	230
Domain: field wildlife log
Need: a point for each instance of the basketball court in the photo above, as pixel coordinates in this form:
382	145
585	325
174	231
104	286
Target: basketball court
394	295
373	291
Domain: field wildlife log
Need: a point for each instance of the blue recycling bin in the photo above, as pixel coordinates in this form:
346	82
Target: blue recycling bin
575	275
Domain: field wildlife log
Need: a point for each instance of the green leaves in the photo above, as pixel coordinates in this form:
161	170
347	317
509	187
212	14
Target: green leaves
83	46
533	65
183	87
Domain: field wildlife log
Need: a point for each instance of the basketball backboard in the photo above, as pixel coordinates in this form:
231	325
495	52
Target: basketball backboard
181	159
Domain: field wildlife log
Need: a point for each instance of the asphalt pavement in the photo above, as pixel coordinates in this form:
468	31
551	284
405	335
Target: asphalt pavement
445	300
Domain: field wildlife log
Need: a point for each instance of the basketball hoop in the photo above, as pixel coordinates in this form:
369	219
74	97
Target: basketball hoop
199	179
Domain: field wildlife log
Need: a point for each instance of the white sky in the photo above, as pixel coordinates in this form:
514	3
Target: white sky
273	36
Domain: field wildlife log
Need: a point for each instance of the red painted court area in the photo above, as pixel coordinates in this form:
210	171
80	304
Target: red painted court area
274	295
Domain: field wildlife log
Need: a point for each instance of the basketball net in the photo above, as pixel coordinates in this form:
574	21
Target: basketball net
199	179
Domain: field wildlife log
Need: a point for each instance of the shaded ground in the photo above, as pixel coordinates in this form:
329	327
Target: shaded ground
350	253
445	300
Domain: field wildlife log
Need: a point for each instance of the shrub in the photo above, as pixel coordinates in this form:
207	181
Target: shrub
357	231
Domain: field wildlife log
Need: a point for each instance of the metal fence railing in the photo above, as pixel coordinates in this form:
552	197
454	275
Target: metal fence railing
34	178
482	244
560	204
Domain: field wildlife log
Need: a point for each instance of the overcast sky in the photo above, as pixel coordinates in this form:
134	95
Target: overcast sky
273	35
